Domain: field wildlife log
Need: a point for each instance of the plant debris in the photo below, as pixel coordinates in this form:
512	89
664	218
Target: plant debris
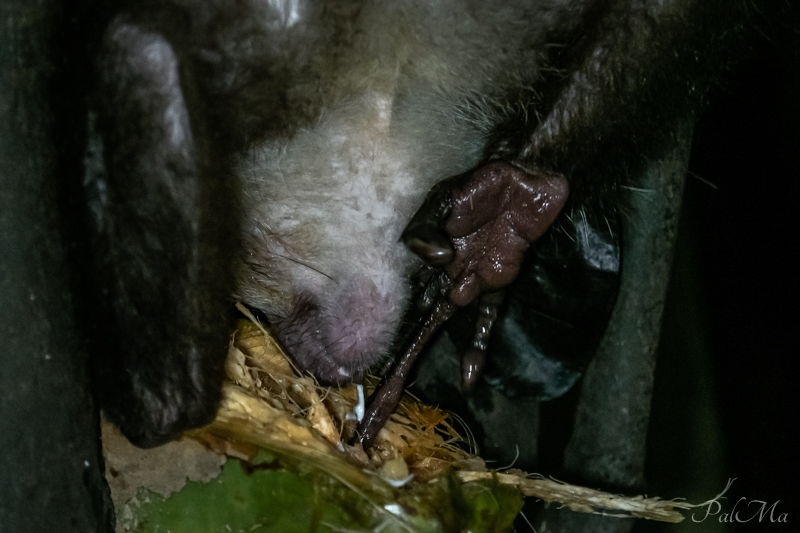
267	405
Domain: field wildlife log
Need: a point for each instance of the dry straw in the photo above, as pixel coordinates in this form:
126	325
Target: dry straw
265	404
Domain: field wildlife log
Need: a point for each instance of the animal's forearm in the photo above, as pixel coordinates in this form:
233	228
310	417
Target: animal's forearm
632	54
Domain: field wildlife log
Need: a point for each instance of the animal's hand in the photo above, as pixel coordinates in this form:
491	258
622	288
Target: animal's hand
476	228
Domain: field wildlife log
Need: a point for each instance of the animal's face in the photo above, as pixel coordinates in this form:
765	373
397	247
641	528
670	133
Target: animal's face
323	217
411	99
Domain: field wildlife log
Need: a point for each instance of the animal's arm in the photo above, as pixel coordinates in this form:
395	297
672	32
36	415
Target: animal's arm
639	66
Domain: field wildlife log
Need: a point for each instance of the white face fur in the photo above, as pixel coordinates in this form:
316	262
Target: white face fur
409	103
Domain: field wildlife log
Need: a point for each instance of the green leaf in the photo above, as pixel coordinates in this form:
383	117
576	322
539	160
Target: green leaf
264	498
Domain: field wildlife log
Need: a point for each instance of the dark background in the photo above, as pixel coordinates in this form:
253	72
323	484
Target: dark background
725	402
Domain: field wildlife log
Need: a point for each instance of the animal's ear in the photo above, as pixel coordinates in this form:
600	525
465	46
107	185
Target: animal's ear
163	216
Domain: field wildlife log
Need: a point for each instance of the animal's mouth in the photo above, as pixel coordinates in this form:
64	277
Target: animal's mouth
336	345
313	357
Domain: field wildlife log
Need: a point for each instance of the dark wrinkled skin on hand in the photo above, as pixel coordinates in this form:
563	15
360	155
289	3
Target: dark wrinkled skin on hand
495	217
476	228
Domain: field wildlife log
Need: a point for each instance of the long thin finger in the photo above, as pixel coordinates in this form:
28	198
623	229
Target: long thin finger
386	398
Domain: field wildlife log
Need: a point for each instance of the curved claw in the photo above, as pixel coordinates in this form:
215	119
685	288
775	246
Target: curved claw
434	249
473	362
474	359
423	234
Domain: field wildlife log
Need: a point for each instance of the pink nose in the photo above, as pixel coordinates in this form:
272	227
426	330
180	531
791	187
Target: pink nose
339	341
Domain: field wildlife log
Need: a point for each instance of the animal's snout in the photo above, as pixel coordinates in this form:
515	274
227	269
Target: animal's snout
338	337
